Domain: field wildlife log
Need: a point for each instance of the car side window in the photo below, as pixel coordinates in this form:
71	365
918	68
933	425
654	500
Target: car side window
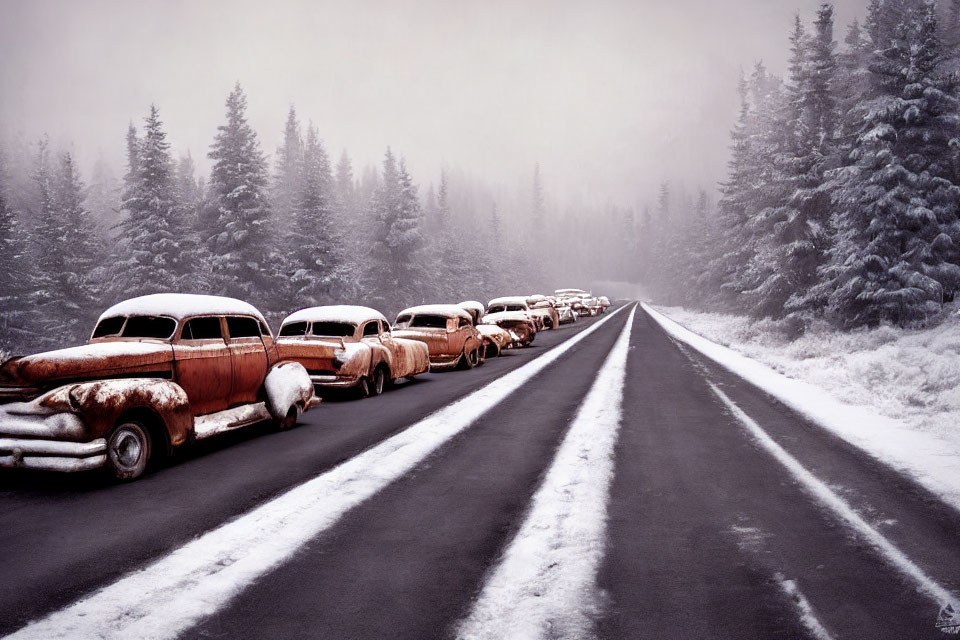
240	327
463	323
202	329
371	328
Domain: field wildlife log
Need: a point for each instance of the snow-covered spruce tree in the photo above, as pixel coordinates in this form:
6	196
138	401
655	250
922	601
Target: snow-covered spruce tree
794	228
894	258
152	230
395	269
47	240
81	282
752	186
240	245
315	263
188	193
16	331
288	174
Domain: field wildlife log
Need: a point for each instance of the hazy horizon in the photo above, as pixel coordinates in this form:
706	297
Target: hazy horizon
610	98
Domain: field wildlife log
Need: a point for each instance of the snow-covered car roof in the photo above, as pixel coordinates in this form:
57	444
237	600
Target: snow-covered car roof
448	310
509	300
473	304
180	306
352	314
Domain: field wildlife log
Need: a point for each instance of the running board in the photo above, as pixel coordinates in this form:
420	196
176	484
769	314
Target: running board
222	421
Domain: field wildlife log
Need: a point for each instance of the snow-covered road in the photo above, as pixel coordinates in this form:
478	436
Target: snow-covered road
609	482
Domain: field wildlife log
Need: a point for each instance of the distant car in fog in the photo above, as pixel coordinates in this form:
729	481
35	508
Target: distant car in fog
541	306
346	346
513	314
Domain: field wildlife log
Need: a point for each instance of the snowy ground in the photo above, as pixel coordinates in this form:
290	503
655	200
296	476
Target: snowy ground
909	377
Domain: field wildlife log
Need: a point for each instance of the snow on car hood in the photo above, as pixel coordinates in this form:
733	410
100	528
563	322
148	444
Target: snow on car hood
86	361
506	316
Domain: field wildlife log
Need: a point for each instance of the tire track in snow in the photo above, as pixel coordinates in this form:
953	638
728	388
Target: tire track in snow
545	583
192	582
825	496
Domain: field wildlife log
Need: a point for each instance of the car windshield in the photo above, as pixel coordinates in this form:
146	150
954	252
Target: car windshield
430	322
294	329
149	327
515	307
333	329
402	322
109	327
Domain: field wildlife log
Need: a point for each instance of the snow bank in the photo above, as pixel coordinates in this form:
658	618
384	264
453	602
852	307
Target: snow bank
545	584
894	393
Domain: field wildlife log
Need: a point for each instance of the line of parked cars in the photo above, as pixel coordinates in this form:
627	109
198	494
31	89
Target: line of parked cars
163	371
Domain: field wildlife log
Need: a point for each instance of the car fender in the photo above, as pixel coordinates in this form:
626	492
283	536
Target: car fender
102	403
287	385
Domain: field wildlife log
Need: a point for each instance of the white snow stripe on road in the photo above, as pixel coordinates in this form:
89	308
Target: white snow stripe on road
919	455
545	583
825	496
805	610
192	582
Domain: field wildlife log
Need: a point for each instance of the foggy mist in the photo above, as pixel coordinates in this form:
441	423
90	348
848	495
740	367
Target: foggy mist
609	97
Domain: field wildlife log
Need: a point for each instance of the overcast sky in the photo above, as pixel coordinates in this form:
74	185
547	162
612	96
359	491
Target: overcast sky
609	96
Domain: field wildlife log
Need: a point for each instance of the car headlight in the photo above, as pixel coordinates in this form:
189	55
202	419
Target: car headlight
63	399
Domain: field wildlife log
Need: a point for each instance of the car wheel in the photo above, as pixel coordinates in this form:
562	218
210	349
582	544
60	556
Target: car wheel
289	421
493	351
128	450
378	381
468	360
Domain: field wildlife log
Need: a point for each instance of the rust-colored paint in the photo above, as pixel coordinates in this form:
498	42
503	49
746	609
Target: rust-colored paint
87	362
353	358
176	379
445	345
101	404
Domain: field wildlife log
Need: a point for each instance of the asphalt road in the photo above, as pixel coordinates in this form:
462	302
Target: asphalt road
708	535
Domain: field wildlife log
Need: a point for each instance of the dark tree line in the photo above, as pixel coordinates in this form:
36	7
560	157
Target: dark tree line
294	232
842	199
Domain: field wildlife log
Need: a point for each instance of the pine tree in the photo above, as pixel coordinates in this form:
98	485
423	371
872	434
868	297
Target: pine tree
317	270
240	248
152	230
288	174
80	283
16	330
896	219
395	267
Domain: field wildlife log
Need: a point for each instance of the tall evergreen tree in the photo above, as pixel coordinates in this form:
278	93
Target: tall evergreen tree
16	324
896	206
288	175
317	268
240	246
395	267
152	230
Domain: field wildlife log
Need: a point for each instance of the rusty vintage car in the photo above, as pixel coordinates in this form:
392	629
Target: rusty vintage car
344	346
541	306
495	339
447	330
513	315
159	372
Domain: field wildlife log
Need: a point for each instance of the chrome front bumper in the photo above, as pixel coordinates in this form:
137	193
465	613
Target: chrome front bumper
334	382
52	455
33	436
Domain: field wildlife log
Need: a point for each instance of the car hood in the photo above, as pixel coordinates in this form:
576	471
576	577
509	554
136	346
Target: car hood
506	316
100	359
